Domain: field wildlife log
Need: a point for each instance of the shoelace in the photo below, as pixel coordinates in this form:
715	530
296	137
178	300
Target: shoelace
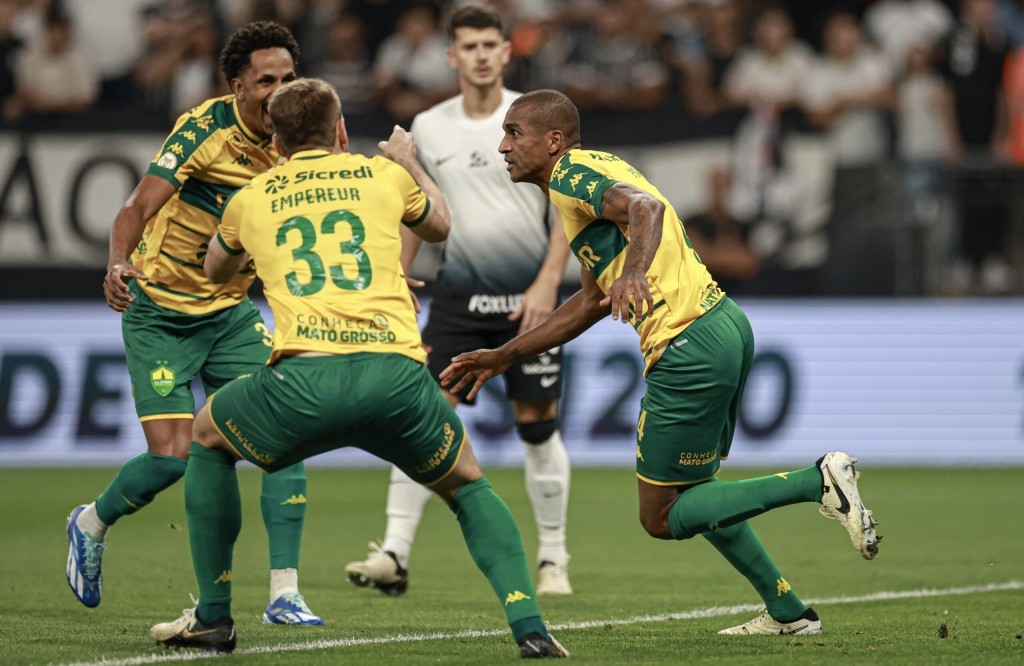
93	555
295	599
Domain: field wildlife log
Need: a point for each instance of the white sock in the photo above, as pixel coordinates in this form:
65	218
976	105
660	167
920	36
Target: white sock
547	483
283	581
406	500
90	523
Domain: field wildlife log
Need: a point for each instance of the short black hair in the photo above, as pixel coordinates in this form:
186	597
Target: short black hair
474	16
236	56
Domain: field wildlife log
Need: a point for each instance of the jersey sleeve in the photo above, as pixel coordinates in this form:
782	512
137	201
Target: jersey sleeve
416	202
189	149
230	224
581	186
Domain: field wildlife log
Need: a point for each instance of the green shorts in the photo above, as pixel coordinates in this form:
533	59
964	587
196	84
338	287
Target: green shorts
165	350
385	404
688	413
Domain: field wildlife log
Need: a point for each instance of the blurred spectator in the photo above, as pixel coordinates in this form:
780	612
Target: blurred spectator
849	94
308	20
55	78
900	25
720	240
982	76
540	49
179	67
721	25
110	32
927	142
615	64
411	71
347	65
380	18
10	44
770	75
1009	21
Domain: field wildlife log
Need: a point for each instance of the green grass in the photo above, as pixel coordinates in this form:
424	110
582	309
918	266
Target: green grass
943	529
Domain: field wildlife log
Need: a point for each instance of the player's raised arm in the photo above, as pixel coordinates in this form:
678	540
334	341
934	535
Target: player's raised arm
401	148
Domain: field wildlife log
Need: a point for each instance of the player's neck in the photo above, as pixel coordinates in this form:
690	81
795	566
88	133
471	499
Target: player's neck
481	102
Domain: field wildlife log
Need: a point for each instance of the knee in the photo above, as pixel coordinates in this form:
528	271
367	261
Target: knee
538	432
656	526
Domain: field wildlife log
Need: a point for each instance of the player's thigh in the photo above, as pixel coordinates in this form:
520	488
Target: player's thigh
242	345
163	351
386	404
688	411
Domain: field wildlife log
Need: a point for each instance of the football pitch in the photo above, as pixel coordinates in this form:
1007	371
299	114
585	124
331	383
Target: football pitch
946	588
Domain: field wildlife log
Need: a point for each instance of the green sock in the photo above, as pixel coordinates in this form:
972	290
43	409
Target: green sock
738	544
137	482
283	505
214	510
717	504
496	546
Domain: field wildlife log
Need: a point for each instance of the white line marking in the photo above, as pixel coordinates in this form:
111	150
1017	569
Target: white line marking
714	611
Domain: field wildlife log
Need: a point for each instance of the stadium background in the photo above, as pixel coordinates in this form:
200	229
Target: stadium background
867	347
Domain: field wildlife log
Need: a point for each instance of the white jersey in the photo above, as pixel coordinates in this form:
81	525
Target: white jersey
500	229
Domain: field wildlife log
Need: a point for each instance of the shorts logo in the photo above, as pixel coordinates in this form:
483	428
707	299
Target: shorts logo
162	380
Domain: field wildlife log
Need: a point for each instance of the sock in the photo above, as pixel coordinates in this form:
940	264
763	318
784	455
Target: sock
738	544
406	500
282	582
717	504
91	524
214	511
283	505
137	482
496	546
547	483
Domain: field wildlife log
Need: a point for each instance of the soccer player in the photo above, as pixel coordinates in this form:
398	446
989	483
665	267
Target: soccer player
637	264
347	366
178	325
501	271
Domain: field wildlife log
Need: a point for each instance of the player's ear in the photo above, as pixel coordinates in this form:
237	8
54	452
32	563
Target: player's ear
555	138
506	52
277	145
449	55
342	135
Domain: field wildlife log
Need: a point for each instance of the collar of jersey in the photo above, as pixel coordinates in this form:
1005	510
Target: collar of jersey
313	154
246	132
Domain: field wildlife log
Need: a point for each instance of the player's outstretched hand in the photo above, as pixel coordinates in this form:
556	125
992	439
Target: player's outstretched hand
473	369
115	285
629	287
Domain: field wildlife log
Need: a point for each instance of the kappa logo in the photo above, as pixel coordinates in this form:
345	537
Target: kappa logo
224	577
549	381
295	499
515	596
782	586
162	380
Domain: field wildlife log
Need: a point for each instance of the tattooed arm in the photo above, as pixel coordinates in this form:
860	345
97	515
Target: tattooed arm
644	214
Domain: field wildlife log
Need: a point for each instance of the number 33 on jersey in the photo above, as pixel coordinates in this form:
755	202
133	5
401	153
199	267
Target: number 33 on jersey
323	231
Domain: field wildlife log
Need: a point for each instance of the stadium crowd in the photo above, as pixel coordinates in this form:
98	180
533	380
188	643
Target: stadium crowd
927	90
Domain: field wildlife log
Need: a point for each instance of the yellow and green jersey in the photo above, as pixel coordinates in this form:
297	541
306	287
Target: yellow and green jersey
681	286
209	154
323	231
